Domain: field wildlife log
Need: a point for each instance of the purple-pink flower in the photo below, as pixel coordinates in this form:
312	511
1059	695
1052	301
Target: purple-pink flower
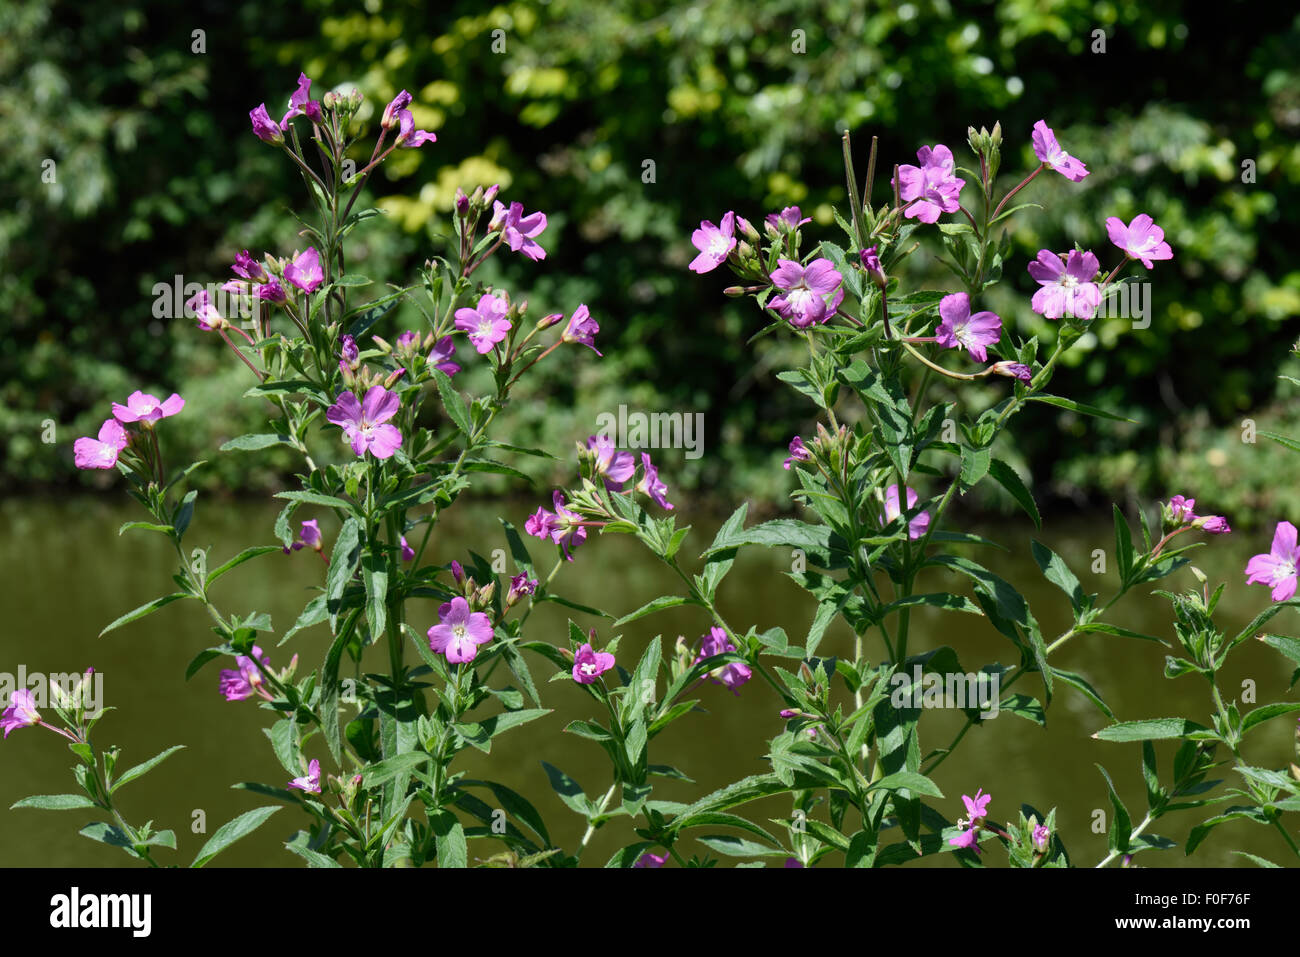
460	632
650	485
715	243
520	231
101	453
311	782
1013	370
798	453
408	553
588	664
271	291
143	407
1277	569
1181	509
408	137
21	712
614	466
309	537
441	355
809	293
365	423
264	127
933	184
582	329
917	526
245	679
1041	837
960	329
651	860
976	808
1067	287
208	316
732	675
301	103
393	110
520	585
1141	239
486	324
564	527
305	271
789	218
246	267
1050	153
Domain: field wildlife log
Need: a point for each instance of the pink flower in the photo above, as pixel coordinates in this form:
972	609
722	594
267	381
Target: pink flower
408	137
309	537
798	453
966	839
933	184
715	243
793	862
1013	370
246	679
651	860
1182	509
364	423
1067	286
650	485
393	110
264	127
731	675
246	267
960	329
1278	568
21	712
305	271
789	218
976	808
809	293
201	307
101	453
1041	836
1214	524
520	585
917	526
460	632
408	553
142	407
564	527
1141	239
486	324
271	291
311	782
301	103
1049	152
441	355
614	466
520	230
588	665
582	329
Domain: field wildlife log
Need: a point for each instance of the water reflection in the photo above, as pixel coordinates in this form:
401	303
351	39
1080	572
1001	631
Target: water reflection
66	573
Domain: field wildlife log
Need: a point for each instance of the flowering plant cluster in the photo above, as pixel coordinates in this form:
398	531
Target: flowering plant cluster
389	440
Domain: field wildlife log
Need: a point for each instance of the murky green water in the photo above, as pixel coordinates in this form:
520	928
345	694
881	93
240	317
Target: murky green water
65	573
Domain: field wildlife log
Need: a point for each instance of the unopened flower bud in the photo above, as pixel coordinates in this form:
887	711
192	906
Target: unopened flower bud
1013	370
734	291
392	378
491	194
871	263
330	100
747	230
457	572
462	202
547	321
383	345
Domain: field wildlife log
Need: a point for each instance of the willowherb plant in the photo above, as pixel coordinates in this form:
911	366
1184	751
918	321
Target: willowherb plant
880	477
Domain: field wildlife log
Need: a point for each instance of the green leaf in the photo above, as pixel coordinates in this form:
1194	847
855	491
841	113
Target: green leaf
343	563
184	513
107	834
145	767
1267	711
148	608
55	802
1259	861
251	442
569	790
453	403
247	554
659	604
739	847
374	573
450	834
1058	573
479	733
352	279
1151	729
1123	545
909	780
1009	479
390	768
146	526
316	498
232	831
1121	827
1080	407
1282	440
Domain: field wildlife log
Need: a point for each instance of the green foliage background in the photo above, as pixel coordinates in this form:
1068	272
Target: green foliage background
739	106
